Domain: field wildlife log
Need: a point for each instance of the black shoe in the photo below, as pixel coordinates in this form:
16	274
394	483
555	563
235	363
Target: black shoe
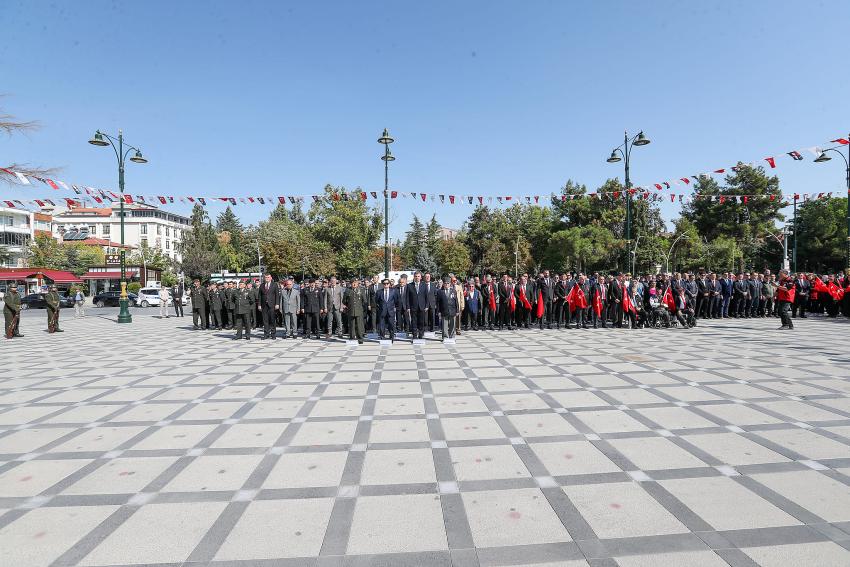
360	342
248	338
237	338
59	331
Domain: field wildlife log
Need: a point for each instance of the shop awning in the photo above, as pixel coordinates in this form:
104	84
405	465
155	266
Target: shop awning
56	276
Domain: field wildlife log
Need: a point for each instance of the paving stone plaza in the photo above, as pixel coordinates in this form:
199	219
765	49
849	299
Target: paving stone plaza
152	444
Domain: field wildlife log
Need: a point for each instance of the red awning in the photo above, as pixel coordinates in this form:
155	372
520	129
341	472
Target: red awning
56	276
106	275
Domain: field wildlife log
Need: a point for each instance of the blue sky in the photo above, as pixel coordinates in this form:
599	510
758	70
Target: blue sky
483	98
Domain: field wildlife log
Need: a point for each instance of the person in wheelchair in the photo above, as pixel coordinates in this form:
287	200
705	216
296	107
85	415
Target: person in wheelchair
657	314
684	310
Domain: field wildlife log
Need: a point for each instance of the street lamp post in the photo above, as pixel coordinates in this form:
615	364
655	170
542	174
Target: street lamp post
101	139
625	150
387	157
670	252
822	157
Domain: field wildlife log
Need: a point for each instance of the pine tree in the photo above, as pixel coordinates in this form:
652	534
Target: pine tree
414	241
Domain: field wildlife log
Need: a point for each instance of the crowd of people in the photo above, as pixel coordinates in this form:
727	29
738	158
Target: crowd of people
330	307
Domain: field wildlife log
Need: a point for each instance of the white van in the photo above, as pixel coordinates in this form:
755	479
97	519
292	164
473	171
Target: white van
149	296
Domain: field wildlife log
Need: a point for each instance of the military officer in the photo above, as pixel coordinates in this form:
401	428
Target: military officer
216	306
12	312
200	299
243	299
312	308
354	301
52	303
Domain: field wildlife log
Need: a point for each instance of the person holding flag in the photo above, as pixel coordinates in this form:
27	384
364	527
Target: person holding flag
599	291
578	301
507	302
785	295
523	291
490	298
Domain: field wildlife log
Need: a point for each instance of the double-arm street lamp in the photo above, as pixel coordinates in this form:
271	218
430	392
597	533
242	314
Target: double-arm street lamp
822	157
387	157
625	150
101	139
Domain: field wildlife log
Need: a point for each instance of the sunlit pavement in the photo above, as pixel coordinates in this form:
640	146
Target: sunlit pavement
152	443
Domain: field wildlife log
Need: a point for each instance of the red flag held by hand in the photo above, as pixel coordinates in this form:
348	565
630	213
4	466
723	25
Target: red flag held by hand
492	298
540	306
668	299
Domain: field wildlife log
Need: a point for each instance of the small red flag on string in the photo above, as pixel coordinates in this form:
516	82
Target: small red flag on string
771	161
658	186
686	180
423	195
452	199
842	141
393	194
52	183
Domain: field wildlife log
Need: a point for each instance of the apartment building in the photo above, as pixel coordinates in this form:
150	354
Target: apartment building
143	225
16	234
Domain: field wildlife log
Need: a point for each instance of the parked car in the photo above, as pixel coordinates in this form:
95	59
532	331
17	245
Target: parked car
150	296
37	301
110	299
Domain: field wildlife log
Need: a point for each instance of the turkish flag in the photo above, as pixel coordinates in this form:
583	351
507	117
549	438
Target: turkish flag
522	298
492	296
627	302
577	299
668	299
512	301
597	303
540	307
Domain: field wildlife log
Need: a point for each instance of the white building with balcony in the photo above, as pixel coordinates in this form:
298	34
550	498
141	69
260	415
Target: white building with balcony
144	225
16	234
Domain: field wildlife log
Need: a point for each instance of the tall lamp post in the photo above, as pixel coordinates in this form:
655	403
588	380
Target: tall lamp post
625	150
387	157
101	139
822	157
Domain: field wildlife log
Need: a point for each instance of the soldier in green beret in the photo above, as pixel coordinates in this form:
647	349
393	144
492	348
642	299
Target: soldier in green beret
12	312
52	301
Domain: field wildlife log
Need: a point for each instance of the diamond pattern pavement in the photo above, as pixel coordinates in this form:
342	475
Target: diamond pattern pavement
152	444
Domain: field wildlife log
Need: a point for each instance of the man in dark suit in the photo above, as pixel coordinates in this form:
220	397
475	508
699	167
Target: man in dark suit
599	293
756	291
417	295
402	306
177	299
269	305
447	303
471	306
741	292
546	287
524	292
802	289
386	303
702	296
616	291
505	291
311	307
488	290
559	302
431	288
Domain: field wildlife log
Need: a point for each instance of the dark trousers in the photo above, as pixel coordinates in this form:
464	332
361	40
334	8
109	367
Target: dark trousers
215	314
269	321
385	321
417	322
580	316
547	315
505	315
178	306
799	307
242	322
199	318
742	306
785	314
470	320
489	318
355	327
311	323
231	318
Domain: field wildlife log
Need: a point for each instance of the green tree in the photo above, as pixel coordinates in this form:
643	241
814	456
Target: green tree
414	242
748	213
199	247
821	234
433	236
581	248
454	257
45	252
288	248
350	229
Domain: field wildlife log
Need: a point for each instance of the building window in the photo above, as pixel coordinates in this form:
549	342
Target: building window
167	245
167	231
7	220
158	230
92	229
106	230
143	229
